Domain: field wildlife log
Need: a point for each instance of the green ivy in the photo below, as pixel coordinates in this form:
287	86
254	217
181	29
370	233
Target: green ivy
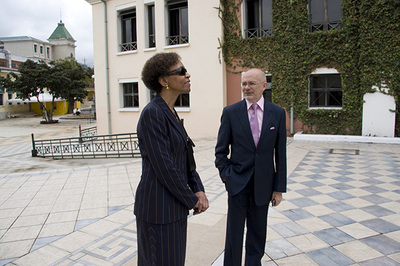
366	51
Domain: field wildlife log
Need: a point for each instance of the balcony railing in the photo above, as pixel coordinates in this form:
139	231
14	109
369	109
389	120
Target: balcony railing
334	25
129	46
177	39
257	32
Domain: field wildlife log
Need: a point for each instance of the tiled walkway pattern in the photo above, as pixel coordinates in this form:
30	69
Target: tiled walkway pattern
341	208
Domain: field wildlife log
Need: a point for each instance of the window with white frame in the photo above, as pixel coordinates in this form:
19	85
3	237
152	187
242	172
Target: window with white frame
182	101
325	15
48	52
150	25
35	48
130	93
178	22
325	90
128	40
258	18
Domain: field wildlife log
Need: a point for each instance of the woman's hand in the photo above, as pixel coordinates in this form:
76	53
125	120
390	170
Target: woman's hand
202	204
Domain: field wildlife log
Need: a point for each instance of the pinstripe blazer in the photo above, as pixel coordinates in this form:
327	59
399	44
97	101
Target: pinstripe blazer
166	191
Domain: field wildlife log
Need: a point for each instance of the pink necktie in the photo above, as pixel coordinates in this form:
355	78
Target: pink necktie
254	123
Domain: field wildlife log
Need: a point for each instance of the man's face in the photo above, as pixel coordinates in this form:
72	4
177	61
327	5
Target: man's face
253	85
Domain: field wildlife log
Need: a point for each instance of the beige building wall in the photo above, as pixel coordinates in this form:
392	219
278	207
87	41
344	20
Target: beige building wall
25	47
63	49
200	57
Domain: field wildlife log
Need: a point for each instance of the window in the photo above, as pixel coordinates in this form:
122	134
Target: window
35	50
151	29
48	52
258	18
131	94
268	92
178	26
182	101
325	15
128	30
326	90
41	49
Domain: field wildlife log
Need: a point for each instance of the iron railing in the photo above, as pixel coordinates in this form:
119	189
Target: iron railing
129	46
177	39
88	146
333	25
87	133
258	32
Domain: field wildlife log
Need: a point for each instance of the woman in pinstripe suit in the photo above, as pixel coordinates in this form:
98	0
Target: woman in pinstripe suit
167	189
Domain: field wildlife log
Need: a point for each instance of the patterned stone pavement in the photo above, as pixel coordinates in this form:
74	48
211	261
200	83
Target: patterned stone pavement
342	205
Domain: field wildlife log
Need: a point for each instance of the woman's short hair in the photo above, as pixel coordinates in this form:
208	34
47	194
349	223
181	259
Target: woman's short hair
158	66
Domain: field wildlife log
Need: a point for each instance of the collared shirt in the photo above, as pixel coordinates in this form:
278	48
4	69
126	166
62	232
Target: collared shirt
260	112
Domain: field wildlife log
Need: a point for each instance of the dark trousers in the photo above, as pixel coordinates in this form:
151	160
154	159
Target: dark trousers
161	244
241	209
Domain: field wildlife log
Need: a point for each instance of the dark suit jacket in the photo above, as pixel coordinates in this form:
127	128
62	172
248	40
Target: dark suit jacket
267	162
166	191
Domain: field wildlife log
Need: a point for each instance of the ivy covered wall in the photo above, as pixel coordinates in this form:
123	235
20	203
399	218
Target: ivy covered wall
366	52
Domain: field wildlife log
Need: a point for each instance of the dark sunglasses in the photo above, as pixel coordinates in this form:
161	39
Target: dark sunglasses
181	71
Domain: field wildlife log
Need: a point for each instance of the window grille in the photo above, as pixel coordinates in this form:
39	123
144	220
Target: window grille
131	94
326	90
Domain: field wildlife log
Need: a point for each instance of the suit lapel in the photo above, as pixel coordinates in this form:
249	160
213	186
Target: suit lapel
266	118
170	116
243	118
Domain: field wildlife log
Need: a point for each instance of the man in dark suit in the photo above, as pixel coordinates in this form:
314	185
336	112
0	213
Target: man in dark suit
251	159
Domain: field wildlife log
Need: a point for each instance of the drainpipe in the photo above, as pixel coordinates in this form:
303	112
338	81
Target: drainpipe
107	68
291	114
291	120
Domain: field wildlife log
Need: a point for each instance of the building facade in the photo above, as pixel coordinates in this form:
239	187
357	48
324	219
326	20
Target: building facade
321	56
16	50
311	52
127	33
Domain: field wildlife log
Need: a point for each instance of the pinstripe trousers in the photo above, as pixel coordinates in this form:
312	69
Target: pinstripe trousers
161	244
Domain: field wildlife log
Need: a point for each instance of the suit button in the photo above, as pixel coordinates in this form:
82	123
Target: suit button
256	154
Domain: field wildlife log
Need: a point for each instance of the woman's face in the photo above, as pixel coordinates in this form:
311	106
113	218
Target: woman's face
178	78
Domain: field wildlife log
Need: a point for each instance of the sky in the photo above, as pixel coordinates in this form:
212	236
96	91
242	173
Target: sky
39	18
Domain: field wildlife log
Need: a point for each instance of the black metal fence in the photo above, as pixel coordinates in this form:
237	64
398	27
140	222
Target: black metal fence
87	133
88	145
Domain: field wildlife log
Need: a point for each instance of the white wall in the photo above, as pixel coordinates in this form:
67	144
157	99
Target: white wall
200	57
378	120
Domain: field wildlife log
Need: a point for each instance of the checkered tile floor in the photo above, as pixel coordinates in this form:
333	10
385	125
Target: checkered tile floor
341	208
